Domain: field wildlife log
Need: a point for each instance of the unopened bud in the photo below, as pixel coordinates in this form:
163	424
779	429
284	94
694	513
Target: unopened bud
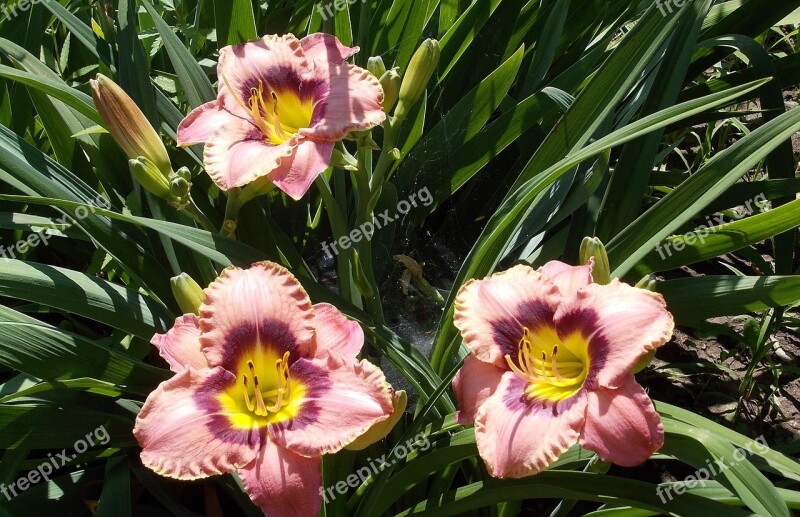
380	430
151	178
188	293
390	82
359	276
647	282
420	70
128	125
376	67
592	248
179	187
343	160
185	173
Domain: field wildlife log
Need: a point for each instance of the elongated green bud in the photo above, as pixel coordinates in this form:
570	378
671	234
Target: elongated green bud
390	82
188	293
376	67
420	70
128	125
151	178
593	248
360	278
380	430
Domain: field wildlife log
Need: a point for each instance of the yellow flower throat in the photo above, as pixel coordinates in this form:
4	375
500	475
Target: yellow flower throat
553	373
262	403
279	115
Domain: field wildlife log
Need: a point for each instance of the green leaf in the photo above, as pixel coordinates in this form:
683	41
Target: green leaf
775	460
115	499
90	297
705	243
695	299
567	485
235	22
194	83
26	168
721	461
680	205
30	346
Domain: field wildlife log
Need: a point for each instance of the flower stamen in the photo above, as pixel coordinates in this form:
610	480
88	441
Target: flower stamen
553	377
262	403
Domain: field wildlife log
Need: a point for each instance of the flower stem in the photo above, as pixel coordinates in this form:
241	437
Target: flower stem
363	178
391	134
338	229
193	211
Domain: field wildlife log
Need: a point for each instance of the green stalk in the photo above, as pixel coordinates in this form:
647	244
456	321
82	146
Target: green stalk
365	207
338	229
391	134
193	211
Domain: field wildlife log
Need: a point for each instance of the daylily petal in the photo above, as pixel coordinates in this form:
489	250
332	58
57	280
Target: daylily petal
202	123
326	48
343	399
278	61
517	437
262	306
282	483
238	153
335	334
622	426
180	346
295	174
475	382
568	278
622	323
184	432
347	98
492	313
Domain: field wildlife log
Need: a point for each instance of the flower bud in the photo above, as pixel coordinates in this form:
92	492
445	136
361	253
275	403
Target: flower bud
185	173
380	430
151	178
128	125
179	187
359	276
593	249
390	82
188	293
647	282
376	67
343	160
420	70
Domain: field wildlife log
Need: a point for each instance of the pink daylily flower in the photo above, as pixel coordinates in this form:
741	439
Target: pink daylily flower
551	366
265	385
281	106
